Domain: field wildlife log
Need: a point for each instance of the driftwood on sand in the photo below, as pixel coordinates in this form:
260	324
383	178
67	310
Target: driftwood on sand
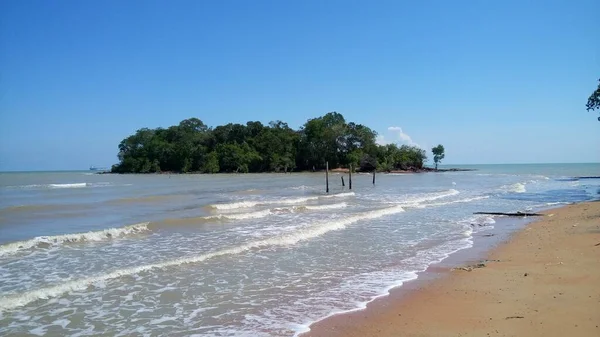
510	214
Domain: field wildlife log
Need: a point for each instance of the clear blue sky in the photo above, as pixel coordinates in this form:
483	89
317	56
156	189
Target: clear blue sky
494	81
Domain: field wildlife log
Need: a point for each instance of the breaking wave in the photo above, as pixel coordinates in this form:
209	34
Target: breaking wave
514	188
412	200
449	202
235	205
47	241
339	195
309	208
76	185
330	206
17	300
212	218
63	186
304	187
245	216
288	201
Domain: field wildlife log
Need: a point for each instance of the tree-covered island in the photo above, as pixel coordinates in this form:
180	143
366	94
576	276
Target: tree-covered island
192	146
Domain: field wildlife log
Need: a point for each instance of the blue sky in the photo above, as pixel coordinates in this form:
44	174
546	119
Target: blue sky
494	81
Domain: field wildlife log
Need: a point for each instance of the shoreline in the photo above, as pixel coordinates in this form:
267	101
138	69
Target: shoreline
444	301
336	170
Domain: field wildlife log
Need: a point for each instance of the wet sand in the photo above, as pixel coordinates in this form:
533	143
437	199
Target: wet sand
544	281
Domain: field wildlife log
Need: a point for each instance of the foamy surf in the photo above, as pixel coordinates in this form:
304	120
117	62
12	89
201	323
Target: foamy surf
13	301
514	188
76	185
378	284
244	216
62	186
437	204
45	241
416	199
235	205
208	219
294	209
283	201
325	207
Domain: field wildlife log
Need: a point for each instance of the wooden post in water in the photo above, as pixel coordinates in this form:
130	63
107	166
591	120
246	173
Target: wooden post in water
350	177
343	184
327	177
374	177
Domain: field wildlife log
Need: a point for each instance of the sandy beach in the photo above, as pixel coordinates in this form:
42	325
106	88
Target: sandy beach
544	281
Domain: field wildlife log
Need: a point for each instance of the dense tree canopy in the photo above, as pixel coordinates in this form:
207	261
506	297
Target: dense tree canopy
191	146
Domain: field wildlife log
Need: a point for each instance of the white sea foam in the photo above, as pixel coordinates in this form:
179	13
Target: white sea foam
235	205
480	220
211	218
14	247
546	204
63	186
242	216
379	283
303	187
420	198
17	300
330	206
294	209
340	195
291	201
436	204
514	188
283	201
75	185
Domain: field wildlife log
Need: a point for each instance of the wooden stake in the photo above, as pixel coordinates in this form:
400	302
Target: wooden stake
327	177
350	178
373	177
343	184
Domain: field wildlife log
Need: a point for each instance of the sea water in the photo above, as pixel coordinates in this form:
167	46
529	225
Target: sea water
84	254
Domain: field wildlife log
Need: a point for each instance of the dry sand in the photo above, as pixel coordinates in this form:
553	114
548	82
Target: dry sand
546	282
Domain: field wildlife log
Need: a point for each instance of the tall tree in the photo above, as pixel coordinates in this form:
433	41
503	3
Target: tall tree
438	154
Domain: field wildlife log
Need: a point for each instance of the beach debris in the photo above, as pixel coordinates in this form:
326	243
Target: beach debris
510	214
598	244
471	267
513	317
526	274
488	235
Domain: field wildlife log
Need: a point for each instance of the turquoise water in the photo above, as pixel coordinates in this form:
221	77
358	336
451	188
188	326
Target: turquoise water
239	255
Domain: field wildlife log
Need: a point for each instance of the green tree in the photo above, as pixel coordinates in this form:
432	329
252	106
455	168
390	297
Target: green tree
438	154
594	100
191	146
211	163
